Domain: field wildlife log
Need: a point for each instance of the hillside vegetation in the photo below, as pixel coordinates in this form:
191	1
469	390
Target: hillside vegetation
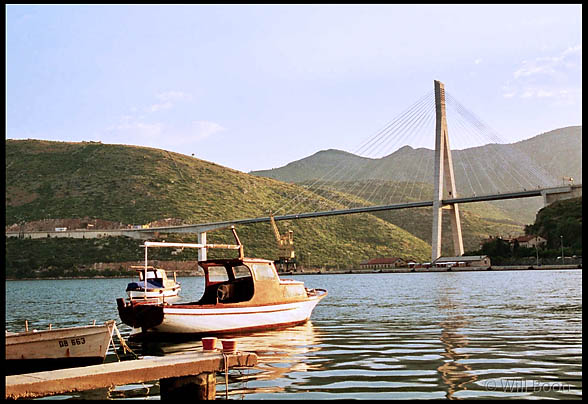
135	185
560	219
560	223
102	183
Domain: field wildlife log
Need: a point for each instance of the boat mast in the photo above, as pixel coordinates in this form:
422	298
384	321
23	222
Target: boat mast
145	274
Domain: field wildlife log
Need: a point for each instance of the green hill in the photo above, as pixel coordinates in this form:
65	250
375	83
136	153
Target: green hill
135	185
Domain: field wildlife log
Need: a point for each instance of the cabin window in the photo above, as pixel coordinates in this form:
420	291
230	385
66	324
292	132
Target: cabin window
241	271
217	274
227	284
263	272
150	275
295	291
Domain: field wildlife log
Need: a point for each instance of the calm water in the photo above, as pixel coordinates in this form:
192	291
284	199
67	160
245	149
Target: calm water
515	334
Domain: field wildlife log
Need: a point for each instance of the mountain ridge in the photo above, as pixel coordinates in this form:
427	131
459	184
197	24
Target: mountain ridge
573	134
492	168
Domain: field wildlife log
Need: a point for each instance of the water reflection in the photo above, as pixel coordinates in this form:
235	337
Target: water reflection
455	374
280	353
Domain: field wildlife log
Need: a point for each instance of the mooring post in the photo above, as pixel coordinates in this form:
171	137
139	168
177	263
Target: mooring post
199	387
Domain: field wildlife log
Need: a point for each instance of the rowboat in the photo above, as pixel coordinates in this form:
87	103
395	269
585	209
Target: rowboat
240	295
153	284
33	351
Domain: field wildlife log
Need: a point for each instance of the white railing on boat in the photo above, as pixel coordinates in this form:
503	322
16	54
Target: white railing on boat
148	244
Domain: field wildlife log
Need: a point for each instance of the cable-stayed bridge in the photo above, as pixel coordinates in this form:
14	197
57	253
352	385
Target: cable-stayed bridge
409	164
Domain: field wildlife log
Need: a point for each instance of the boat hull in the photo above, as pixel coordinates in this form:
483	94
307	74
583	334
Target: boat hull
58	348
212	320
162	294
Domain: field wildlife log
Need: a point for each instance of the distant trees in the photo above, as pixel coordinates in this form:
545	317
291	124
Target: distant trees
559	223
561	218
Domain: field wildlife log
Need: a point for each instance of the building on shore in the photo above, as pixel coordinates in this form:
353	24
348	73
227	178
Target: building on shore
463	261
530	241
383	263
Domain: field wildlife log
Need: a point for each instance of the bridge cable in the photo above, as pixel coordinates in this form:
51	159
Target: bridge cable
534	168
377	181
467	154
415	125
404	126
368	145
515	156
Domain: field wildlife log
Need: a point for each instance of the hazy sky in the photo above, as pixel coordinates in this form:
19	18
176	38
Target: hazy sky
257	86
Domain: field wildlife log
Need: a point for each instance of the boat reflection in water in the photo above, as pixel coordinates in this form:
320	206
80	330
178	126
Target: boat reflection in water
281	353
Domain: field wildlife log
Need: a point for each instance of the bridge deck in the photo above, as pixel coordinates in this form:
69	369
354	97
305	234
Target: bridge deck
203	227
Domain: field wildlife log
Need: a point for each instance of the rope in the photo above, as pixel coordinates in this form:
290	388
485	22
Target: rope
114	347
226	363
123	344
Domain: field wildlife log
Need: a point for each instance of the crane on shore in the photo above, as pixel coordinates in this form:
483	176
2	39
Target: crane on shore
285	246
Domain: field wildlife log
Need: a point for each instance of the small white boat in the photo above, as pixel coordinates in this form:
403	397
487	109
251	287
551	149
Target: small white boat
33	351
153	284
241	294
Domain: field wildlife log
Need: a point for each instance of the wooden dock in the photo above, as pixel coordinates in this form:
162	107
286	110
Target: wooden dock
178	374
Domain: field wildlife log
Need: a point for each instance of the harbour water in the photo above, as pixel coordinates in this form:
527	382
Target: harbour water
512	334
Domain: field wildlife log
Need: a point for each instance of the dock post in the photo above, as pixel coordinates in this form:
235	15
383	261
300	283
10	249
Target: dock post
200	387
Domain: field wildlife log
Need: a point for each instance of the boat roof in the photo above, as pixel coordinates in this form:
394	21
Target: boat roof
149	268
232	261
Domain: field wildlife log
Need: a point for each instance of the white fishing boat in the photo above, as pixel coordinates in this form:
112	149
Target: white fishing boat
57	348
153	284
240	294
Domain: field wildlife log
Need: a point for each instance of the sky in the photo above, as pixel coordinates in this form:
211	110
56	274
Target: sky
255	87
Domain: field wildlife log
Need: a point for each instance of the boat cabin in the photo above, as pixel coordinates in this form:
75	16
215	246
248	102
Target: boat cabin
247	281
156	278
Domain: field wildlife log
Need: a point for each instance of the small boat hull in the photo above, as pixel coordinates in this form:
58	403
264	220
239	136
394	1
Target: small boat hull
160	294
35	351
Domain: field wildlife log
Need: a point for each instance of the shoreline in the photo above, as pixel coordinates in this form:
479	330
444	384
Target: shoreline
354	271
429	270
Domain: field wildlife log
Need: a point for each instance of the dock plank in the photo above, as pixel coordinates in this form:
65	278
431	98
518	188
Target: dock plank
61	381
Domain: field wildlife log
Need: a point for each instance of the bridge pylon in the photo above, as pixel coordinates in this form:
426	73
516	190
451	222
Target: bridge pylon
443	177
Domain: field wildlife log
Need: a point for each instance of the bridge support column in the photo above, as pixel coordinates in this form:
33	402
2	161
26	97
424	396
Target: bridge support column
443	176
